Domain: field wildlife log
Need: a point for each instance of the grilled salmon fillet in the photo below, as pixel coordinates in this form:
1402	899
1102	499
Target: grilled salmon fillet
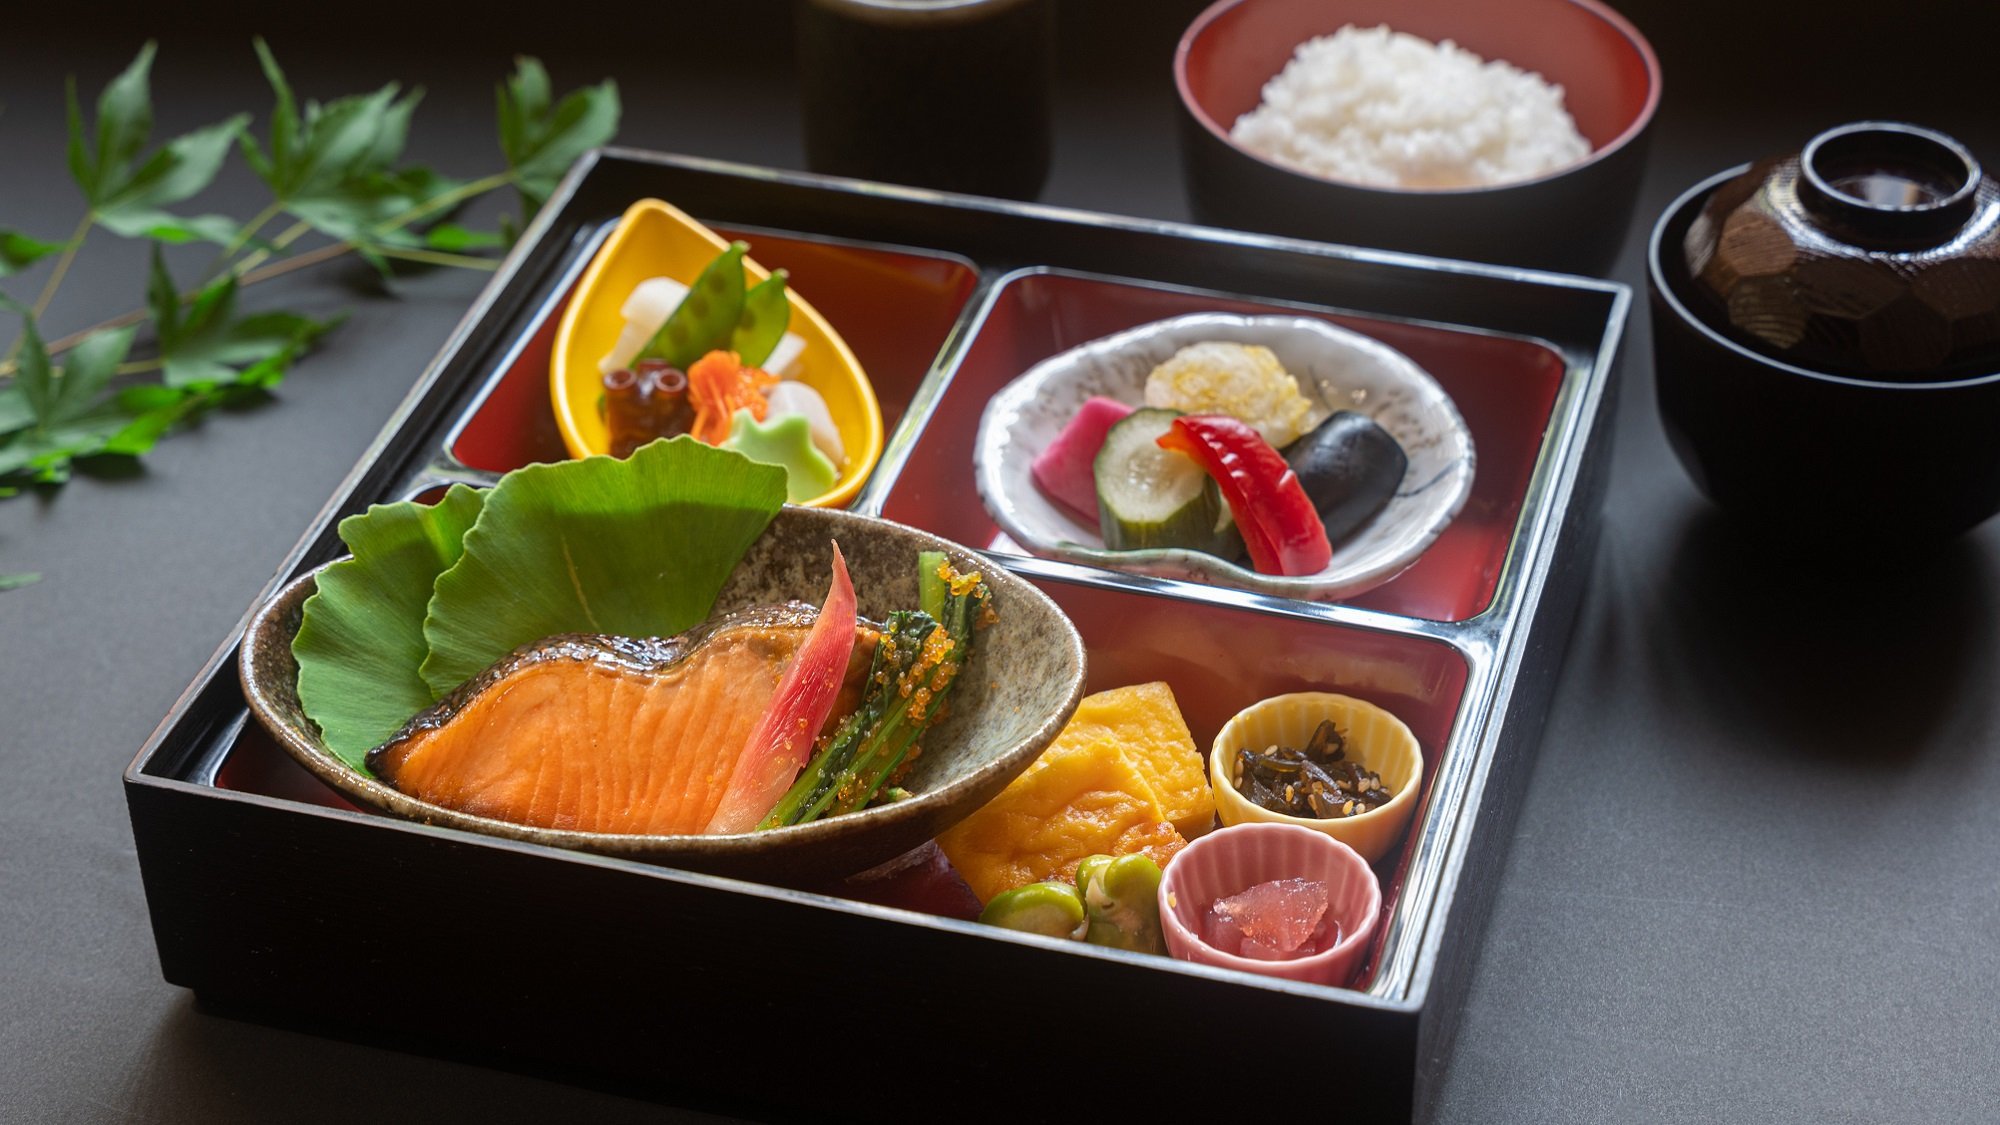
609	734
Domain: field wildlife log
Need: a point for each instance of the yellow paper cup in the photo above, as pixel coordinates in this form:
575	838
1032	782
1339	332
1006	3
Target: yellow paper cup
1375	738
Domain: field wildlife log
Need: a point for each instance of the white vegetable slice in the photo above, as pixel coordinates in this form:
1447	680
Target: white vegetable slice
784	359
797	398
651	303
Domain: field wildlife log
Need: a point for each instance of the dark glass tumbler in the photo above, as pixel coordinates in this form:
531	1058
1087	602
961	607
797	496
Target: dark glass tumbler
947	94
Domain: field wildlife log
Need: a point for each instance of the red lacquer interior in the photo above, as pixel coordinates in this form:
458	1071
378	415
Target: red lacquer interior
893	307
1504	388
1217	659
1607	70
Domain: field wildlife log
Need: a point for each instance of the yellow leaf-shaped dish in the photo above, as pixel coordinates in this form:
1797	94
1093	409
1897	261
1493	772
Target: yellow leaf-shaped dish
655	239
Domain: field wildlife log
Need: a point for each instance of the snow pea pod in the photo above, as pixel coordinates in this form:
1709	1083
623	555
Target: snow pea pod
766	313
707	316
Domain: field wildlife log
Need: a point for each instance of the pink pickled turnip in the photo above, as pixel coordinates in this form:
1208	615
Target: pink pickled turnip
1274	921
1066	470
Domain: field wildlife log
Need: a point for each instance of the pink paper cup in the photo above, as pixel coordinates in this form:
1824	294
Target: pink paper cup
1231	860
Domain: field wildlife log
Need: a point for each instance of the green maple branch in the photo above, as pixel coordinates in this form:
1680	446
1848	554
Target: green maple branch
251	269
334	168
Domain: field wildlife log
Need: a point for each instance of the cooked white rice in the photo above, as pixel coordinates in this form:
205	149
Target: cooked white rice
1379	107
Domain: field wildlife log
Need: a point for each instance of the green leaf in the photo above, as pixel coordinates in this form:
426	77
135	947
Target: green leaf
153	410
162	299
86	372
164	227
284	122
124	120
314	152
16	581
127	423
364	208
18	251
182	168
32	374
541	142
361	640
127	196
638	547
205	343
333	166
45	452
15	413
454	238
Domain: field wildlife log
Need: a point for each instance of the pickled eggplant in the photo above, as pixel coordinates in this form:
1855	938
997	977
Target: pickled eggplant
1350	468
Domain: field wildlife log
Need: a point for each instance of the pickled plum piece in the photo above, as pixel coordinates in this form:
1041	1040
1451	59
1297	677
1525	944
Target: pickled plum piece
1274	921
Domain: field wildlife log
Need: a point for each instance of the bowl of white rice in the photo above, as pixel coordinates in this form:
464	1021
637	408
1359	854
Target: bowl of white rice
1509	132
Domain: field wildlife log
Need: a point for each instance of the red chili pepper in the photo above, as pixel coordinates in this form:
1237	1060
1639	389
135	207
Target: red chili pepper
782	742
1280	527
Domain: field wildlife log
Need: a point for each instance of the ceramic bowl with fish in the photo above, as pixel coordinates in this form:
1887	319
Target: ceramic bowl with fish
1014	695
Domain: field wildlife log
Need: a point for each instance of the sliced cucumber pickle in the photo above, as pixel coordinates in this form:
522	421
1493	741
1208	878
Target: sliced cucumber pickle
1153	497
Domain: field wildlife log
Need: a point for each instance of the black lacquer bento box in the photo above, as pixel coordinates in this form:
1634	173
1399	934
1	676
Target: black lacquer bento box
274	899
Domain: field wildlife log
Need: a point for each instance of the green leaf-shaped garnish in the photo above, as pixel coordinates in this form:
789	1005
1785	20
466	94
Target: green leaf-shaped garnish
635	547
209	344
18	251
541	140
361	642
128	195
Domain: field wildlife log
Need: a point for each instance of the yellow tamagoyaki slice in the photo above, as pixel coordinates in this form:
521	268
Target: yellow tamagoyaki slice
1144	723
1079	801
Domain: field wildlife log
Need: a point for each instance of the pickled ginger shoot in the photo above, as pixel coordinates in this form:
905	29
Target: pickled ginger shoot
916	664
783	740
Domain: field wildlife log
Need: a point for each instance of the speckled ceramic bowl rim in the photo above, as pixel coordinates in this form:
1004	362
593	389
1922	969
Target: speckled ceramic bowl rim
1231	836
1667	288
1212	568
270	621
1398	805
1617	22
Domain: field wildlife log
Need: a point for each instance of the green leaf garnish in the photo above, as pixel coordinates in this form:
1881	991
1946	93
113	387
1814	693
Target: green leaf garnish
52	396
360	643
124	119
454	238
179	170
54	415
541	141
18	251
207	343
637	547
333	167
35	377
71	417
435	595
127	196
16	581
15	413
315	151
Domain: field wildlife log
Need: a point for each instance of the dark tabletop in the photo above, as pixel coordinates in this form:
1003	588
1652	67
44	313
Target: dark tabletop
1754	878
